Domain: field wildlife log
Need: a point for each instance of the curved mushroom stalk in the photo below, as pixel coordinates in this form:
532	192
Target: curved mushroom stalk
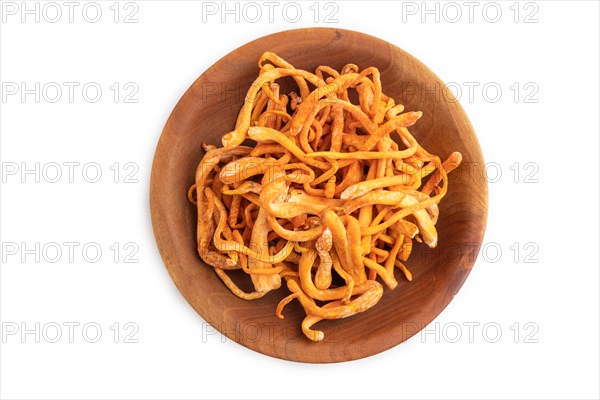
362	303
375	197
347	244
310	320
244	168
323	246
272	198
402	121
309	287
295	235
400	200
313	204
306	108
365	187
281	202
450	164
246	187
238	135
426	226
259	238
260	231
433	210
205	228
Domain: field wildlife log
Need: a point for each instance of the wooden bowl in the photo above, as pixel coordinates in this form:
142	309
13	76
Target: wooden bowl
209	109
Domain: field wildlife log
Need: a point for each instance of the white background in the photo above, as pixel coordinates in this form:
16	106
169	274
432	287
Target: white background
542	293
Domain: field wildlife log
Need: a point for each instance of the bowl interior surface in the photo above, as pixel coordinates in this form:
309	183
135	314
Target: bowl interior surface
209	109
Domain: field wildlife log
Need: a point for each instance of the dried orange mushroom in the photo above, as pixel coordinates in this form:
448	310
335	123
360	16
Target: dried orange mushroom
333	191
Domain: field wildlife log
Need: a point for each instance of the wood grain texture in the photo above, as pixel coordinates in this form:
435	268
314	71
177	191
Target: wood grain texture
209	109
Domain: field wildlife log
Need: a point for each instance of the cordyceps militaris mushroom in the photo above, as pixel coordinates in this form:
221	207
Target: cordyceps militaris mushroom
330	198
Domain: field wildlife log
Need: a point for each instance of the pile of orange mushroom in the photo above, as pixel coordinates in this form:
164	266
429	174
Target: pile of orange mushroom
329	199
